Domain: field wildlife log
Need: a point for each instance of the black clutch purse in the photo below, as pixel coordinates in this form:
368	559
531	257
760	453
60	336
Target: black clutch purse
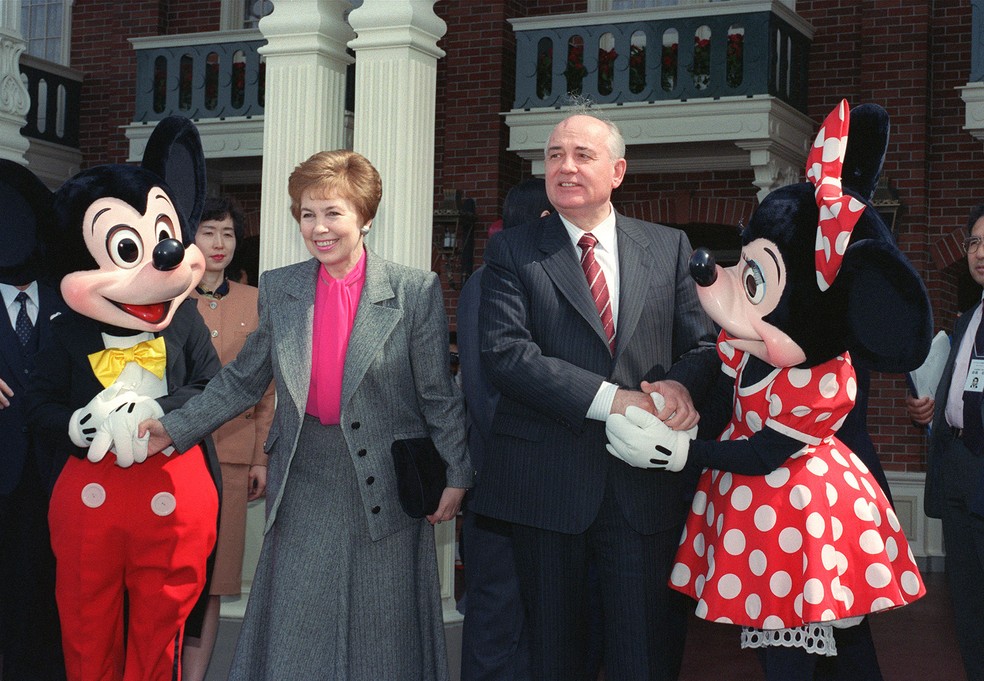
421	475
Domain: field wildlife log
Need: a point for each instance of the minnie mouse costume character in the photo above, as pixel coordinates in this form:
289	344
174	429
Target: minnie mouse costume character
789	533
131	348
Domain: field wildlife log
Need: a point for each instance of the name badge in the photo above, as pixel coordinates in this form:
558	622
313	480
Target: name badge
975	377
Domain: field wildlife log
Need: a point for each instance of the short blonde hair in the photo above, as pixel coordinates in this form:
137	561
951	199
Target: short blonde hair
340	173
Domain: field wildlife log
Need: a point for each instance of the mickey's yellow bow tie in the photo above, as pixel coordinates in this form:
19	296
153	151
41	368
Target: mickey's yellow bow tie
108	364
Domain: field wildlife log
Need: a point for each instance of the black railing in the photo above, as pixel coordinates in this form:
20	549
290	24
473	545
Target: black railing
214	80
55	94
746	51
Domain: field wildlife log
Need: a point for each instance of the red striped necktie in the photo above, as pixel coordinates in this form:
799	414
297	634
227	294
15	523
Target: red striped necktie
598	286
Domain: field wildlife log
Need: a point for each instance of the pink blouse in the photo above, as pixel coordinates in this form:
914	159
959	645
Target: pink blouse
335	304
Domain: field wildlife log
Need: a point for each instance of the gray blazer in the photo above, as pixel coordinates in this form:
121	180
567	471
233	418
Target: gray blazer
397	382
544	348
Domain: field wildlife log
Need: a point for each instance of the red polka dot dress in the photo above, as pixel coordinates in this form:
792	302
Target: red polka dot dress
815	540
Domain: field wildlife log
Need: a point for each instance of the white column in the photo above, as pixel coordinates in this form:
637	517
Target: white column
396	84
395	88
304	109
14	99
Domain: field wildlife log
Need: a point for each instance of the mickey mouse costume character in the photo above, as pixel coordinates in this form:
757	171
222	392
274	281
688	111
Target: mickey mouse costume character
131	347
789	533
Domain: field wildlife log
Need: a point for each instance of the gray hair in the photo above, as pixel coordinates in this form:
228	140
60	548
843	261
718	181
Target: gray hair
581	106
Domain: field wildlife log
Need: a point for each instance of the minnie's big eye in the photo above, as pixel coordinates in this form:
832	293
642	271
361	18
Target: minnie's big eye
753	281
124	246
165	228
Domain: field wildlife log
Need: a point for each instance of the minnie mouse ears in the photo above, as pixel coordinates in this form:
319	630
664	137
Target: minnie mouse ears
838	212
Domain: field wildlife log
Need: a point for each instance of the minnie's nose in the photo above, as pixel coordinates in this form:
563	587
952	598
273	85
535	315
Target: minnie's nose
703	268
168	254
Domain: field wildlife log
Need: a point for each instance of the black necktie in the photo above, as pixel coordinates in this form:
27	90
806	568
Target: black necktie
973	428
23	327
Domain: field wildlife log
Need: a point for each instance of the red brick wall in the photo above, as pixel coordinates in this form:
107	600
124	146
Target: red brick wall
193	16
101	51
101	30
476	82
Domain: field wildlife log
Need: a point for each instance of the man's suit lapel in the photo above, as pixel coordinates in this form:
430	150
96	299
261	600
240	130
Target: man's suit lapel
51	306
373	325
10	347
634	265
560	262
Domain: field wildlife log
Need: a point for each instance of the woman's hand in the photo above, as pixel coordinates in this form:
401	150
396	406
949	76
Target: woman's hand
449	506
159	439
257	482
5	394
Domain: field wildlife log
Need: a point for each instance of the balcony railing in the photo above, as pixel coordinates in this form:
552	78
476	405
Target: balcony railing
704	51
199	75
55	93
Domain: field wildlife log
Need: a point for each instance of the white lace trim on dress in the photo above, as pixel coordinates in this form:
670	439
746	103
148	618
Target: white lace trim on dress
817	639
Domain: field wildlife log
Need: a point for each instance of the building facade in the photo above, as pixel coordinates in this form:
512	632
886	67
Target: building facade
718	102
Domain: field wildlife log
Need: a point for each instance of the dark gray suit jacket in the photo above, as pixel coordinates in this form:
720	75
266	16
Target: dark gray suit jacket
942	437
396	384
544	348
15	367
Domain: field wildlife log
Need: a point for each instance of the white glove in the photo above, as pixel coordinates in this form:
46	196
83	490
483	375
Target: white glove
119	432
641	440
85	422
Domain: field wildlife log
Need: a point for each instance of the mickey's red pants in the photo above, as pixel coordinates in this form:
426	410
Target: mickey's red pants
146	530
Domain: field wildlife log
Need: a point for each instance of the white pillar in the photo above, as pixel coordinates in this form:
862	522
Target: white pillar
14	99
304	110
396	85
395	89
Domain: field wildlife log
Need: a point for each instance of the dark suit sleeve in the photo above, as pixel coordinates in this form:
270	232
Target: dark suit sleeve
49	394
695	360
480	396
515	363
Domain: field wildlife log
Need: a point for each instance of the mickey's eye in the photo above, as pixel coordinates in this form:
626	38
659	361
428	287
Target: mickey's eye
754	282
125	247
165	228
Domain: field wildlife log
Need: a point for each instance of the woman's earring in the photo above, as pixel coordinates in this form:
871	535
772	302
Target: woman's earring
363	230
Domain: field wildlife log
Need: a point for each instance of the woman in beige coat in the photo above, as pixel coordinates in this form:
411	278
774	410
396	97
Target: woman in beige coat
229	311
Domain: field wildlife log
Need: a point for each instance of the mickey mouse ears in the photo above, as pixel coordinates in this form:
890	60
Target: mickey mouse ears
838	212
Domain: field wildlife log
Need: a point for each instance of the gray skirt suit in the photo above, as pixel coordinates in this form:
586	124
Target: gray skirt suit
346	587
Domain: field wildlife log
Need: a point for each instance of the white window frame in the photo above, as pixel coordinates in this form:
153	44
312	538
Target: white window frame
65	56
231	15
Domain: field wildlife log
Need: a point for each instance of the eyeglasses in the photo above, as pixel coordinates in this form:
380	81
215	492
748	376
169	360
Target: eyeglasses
971	243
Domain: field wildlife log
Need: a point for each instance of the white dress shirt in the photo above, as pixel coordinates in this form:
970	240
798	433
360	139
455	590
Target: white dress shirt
961	365
9	294
606	255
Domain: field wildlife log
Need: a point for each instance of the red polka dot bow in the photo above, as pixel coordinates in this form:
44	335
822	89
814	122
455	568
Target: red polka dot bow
838	213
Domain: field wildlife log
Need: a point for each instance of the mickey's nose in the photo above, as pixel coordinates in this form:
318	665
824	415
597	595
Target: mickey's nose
168	254
703	268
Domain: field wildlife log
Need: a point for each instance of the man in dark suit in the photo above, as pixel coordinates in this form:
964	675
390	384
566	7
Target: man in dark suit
565	353
955	474
29	639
